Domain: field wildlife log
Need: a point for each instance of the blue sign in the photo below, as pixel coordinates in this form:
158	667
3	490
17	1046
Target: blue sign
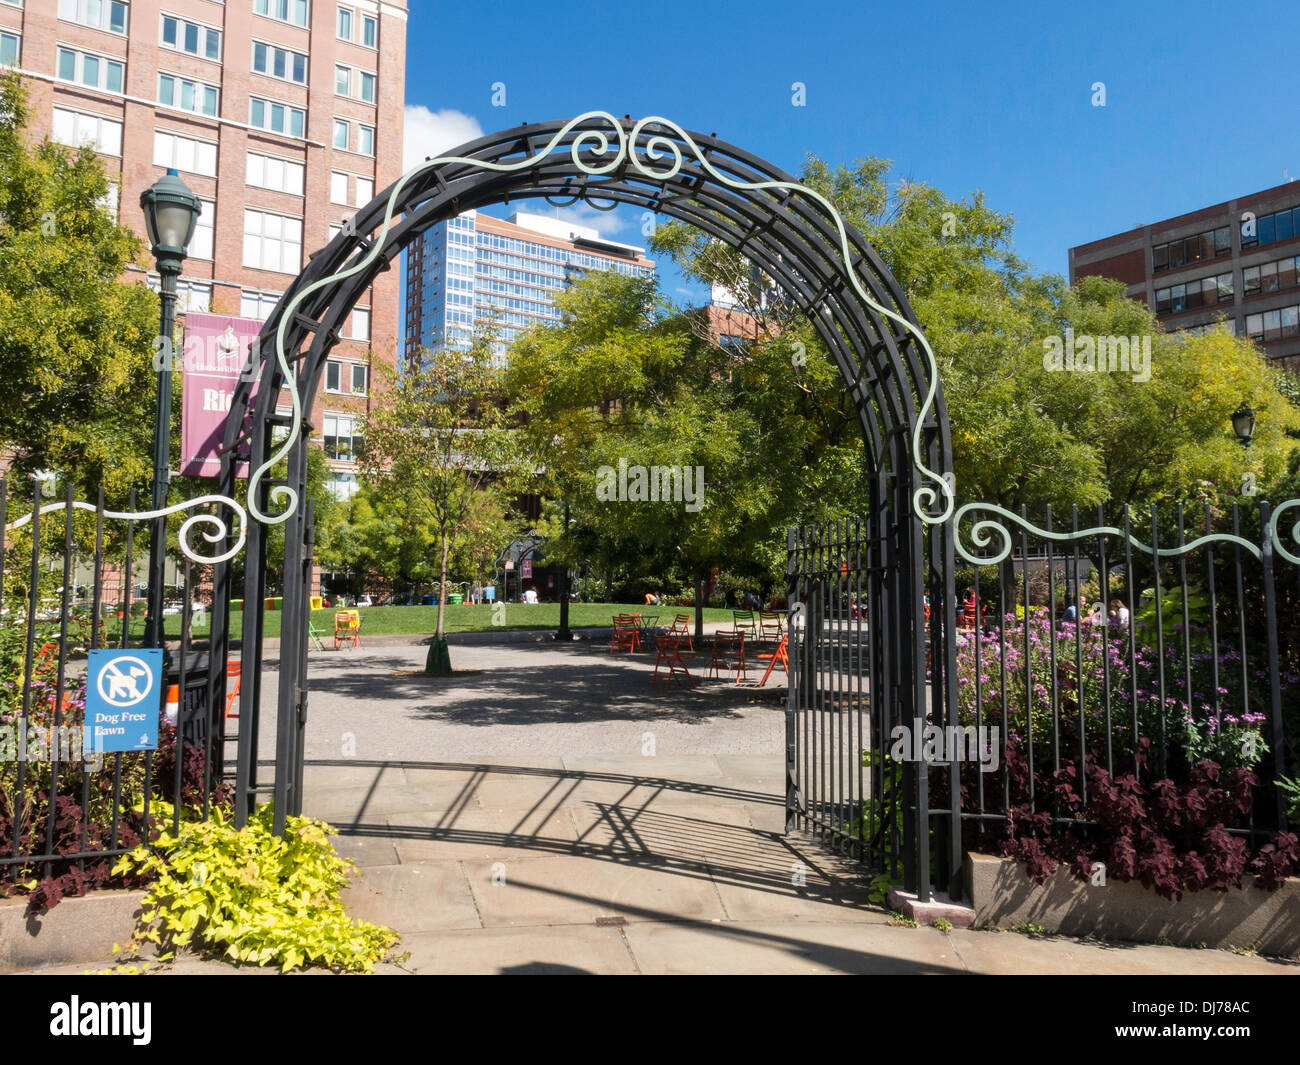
122	700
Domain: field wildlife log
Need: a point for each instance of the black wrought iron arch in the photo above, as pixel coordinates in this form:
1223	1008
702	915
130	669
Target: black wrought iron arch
792	233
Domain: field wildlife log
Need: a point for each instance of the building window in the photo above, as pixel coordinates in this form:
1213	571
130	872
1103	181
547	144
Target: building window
276	117
361	323
186	95
366	140
345	24
342	439
258	305
279	63
97	14
191	37
295	12
94	71
272	241
360	379
1175	253
369	31
201	243
190	295
109	201
1268	228
333	376
9	49
184	153
342	133
280	175
338	187
76	129
365	191
354	84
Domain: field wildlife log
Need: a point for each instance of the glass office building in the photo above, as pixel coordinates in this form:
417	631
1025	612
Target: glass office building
476	270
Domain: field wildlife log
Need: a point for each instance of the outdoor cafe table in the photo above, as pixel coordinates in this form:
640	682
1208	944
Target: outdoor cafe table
646	623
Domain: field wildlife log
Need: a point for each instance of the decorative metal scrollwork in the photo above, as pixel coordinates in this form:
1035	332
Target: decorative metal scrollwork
218	529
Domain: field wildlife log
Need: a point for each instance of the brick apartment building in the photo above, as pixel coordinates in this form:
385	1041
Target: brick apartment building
283	116
1238	260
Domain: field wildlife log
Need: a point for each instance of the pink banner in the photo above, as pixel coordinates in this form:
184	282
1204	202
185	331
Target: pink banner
216	352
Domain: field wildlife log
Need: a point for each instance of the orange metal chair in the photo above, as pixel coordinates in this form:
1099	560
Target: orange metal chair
681	626
669	646
233	673
626	634
782	655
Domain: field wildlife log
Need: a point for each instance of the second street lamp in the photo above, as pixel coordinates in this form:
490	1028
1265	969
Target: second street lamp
171	211
1243	424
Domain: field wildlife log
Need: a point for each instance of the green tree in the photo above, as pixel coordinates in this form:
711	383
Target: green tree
77	344
438	442
625	381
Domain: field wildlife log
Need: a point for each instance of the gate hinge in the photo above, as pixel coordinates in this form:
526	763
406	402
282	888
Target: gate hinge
302	706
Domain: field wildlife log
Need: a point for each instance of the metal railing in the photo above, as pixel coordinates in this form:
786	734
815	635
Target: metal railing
66	809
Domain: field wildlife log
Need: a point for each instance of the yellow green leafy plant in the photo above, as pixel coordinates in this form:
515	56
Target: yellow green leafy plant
252	896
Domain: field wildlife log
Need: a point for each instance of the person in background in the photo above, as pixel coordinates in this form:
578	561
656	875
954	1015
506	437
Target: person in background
530	596
1117	615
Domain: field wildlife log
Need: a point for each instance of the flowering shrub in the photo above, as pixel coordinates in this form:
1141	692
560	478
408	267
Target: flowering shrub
1099	673
1172	823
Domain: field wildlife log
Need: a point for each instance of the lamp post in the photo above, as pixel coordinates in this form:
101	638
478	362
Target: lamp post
565	632
1243	423
171	211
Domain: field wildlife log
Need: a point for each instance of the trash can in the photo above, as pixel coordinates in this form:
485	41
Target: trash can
455	598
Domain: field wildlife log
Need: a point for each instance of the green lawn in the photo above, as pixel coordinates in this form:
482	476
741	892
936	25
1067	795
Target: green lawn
417	620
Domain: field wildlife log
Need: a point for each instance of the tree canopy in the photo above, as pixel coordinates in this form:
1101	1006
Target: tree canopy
77	345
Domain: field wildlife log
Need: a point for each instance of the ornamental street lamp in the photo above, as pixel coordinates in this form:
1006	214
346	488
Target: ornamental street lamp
1243	423
565	632
171	211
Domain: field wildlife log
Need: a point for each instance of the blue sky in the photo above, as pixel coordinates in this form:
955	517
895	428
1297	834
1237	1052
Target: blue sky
964	96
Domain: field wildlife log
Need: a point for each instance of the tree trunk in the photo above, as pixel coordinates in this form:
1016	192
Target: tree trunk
439	659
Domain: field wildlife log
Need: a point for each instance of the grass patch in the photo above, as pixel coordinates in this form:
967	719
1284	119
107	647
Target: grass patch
463	617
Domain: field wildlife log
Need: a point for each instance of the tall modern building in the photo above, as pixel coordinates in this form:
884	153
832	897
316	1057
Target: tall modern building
282	115
476	269
1238	260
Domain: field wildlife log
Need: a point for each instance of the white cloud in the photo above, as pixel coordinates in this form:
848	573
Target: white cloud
607	223
426	133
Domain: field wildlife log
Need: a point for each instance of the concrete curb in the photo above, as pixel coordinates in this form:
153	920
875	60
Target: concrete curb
75	931
1002	894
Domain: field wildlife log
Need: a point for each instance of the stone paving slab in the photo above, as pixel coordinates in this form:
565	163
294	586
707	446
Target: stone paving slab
413	898
780	947
566	949
579	890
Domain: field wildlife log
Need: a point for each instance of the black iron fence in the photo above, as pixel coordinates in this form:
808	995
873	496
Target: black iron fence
1091	687
66	808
